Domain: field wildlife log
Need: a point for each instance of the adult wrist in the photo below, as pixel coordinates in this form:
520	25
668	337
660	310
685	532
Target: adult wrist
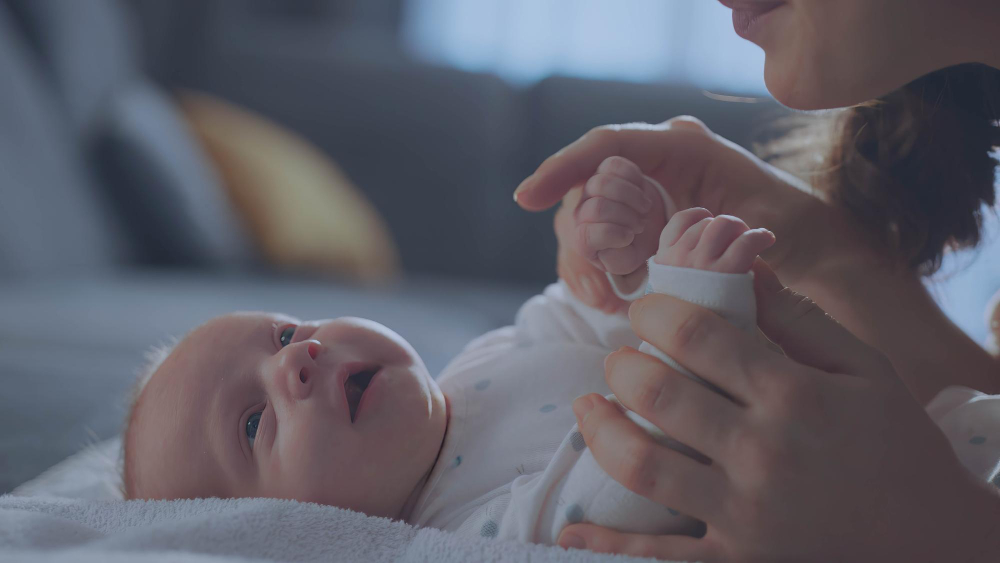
986	539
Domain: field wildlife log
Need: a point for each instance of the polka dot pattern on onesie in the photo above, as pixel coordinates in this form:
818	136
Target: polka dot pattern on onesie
482	385
574	514
977	440
547	408
489	529
577	441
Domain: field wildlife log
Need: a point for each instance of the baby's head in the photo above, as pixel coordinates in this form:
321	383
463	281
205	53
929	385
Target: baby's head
339	412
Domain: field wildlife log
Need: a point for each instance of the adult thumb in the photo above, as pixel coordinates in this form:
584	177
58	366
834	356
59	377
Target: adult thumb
804	331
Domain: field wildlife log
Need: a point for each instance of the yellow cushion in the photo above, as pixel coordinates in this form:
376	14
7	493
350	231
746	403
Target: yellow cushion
302	210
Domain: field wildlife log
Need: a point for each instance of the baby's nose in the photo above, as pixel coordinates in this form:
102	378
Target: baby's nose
297	367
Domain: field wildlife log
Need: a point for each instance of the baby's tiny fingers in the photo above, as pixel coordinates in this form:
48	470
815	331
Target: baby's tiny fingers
593	237
740	255
689	240
604	210
680	223
623	168
617	189
718	236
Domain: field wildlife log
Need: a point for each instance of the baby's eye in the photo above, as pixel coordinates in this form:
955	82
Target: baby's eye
286	336
252	423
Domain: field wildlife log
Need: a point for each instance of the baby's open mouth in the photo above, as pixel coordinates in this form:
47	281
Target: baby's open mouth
355	387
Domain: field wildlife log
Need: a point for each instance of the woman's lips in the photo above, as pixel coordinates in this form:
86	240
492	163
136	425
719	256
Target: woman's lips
747	13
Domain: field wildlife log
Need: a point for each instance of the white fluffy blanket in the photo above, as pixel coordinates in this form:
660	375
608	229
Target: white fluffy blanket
73	513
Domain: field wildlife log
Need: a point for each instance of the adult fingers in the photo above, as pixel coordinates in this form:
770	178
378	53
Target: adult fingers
630	456
605	540
807	334
648	146
708	345
684	409
742	253
688	122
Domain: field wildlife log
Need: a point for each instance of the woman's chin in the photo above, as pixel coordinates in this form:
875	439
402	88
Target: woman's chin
799	91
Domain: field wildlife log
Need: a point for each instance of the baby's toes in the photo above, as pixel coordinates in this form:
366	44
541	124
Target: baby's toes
741	254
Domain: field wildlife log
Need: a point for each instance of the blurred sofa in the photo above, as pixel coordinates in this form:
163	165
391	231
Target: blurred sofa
115	234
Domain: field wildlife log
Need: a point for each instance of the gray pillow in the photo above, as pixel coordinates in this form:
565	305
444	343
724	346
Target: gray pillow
161	184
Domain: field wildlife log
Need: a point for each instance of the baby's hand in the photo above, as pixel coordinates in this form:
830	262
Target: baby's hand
695	239
618	217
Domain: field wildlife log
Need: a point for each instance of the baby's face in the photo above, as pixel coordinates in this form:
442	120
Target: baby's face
262	405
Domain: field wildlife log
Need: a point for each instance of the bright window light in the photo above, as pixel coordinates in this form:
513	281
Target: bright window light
680	41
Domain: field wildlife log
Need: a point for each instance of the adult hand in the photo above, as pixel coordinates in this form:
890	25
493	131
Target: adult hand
587	282
701	169
821	455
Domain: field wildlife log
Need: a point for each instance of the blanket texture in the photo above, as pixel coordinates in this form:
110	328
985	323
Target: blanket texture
71	514
51	529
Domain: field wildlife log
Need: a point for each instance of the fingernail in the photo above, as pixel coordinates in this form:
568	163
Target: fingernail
632	308
524	185
611	358
569	540
638	228
581	406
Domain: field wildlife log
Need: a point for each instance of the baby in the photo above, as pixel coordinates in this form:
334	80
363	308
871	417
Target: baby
343	412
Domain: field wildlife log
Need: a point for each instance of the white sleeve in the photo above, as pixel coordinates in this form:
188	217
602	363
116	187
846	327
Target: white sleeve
730	296
971	421
557	316
573	488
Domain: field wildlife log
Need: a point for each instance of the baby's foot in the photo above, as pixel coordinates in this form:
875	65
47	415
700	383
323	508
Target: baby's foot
618	218
695	239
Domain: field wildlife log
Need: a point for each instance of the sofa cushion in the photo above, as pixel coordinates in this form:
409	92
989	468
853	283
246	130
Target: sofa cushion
162	185
52	219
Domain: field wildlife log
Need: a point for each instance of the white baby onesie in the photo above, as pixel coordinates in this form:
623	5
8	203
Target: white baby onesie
508	467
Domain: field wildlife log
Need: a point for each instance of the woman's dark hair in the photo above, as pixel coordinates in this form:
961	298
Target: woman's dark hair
915	167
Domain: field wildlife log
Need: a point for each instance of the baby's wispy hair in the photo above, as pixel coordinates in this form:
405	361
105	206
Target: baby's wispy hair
153	359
